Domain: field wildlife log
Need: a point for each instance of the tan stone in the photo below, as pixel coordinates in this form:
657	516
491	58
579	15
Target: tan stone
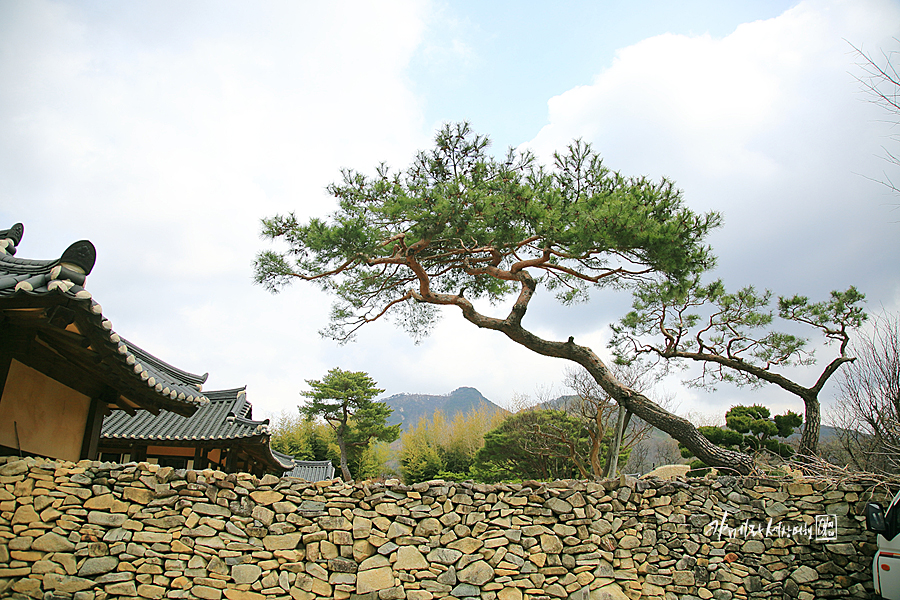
410	559
123	588
263	515
140	496
373	580
206	593
398	529
269	479
52	542
65	583
334	523
27	585
362	550
42	502
151	537
153	592
50	514
477	573
321	588
234	594
25	514
266	497
445	556
629	542
16	467
804	574
610	591
466	545
106	502
428	527
361	527
67	561
245	573
288	541
374	562
538	558
328	550
15	572
799	489
342	538
389	509
45	566
300	594
551	544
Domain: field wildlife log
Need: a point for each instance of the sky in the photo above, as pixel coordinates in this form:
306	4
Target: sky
164	131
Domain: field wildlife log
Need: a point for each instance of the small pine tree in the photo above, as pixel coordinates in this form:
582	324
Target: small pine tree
750	429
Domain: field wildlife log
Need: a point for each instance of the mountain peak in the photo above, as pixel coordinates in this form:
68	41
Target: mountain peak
410	408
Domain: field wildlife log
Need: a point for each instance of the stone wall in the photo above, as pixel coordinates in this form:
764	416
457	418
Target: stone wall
92	531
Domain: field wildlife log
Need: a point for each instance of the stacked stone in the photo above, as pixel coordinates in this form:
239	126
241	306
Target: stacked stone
97	531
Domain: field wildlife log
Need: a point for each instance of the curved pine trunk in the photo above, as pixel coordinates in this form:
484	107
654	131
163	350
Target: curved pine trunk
644	408
809	439
679	428
345	469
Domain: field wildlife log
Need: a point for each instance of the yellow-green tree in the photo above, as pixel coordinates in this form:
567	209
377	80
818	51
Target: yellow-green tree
444	447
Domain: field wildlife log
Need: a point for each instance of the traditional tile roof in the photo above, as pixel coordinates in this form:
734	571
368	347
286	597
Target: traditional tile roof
48	298
311	470
226	418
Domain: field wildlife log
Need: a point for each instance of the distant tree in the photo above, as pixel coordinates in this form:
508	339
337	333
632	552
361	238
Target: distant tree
609	426
867	410
731	336
880	80
542	444
459	225
750	429
344	400
300	437
420	459
653	452
442	448
534	444
372	461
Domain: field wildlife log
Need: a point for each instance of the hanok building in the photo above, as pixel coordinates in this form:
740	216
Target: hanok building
220	435
312	470
63	368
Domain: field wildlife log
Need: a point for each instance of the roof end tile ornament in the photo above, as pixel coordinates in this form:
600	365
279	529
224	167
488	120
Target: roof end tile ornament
11	238
77	261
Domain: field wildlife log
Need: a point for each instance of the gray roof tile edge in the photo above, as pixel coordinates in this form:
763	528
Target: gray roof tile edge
43	278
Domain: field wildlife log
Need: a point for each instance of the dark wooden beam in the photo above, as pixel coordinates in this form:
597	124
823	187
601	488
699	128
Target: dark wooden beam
5	360
96	412
230	460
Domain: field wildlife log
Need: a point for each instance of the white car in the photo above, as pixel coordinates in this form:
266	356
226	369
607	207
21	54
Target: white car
886	566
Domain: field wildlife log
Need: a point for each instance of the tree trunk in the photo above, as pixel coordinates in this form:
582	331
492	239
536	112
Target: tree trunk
345	469
612	456
644	408
809	439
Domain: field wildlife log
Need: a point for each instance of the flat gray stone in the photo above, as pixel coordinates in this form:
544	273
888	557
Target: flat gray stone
98	566
52	542
245	573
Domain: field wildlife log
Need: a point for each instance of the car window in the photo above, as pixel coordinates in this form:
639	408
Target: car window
892	518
